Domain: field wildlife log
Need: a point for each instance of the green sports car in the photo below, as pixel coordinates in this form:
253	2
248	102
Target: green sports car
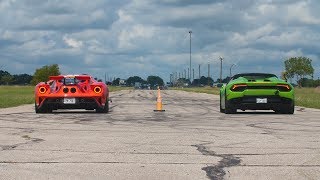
257	91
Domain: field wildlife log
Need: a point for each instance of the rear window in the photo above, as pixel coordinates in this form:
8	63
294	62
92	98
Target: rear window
71	81
254	76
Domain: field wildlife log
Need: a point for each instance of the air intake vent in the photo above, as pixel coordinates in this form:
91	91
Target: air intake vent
65	90
73	90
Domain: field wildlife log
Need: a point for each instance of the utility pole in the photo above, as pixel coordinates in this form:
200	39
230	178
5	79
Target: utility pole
190	32
208	74
193	73
230	70
188	74
199	72
221	58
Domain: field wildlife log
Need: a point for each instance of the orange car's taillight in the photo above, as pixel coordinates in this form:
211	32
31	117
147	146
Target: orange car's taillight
283	87
42	90
238	87
97	89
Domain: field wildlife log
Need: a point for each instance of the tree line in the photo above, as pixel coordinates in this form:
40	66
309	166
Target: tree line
296	68
42	75
151	82
16	79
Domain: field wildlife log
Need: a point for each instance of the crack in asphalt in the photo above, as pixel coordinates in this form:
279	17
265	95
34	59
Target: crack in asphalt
26	137
217	172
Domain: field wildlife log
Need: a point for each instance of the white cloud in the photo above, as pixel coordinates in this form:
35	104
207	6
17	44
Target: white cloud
143	37
72	42
300	12
138	32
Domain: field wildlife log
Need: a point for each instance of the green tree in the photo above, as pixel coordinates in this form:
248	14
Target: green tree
182	82
42	74
205	81
22	79
284	75
3	73
132	80
155	81
115	82
7	79
298	67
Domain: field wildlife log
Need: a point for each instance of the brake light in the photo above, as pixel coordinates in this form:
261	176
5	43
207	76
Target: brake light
238	87
42	90
97	89
284	87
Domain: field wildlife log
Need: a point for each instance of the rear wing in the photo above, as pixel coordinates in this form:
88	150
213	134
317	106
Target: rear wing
80	77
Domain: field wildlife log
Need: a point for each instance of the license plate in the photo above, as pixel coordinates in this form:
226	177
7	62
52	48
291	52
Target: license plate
69	100
261	100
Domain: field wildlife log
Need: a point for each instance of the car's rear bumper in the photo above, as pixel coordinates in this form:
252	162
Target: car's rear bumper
250	102
80	103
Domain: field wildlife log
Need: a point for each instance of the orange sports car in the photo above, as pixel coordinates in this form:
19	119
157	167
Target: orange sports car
71	92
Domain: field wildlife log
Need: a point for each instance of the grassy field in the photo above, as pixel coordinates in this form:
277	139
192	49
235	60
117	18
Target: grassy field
11	96
306	97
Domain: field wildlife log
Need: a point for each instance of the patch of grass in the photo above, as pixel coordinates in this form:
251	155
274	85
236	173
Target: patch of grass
306	97
11	96
118	88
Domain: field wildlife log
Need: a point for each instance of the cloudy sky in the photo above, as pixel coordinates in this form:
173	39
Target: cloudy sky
151	37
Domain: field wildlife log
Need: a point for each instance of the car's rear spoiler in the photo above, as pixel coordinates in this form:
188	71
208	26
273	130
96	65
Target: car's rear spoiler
80	77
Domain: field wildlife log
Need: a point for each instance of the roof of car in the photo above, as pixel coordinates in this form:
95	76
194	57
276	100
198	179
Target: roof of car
59	77
253	74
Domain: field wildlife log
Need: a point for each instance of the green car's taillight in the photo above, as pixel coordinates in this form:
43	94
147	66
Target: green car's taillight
242	87
238	87
283	87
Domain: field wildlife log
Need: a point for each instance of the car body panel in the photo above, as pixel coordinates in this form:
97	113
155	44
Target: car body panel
241	91
71	92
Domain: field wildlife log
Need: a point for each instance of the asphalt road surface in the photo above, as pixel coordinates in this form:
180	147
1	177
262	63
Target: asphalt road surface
190	140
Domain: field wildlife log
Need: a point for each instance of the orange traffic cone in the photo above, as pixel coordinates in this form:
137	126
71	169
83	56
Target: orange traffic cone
159	102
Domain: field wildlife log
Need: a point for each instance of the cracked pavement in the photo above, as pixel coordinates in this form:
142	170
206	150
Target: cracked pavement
190	140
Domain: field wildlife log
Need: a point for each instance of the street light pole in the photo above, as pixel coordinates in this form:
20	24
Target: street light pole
190	32
199	72
221	58
208	74
230	70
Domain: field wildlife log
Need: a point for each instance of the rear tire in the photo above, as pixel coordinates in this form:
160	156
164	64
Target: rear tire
104	109
221	110
42	109
288	109
229	108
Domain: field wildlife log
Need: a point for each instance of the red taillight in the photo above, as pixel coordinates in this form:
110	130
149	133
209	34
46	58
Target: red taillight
284	87
238	87
42	90
97	89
